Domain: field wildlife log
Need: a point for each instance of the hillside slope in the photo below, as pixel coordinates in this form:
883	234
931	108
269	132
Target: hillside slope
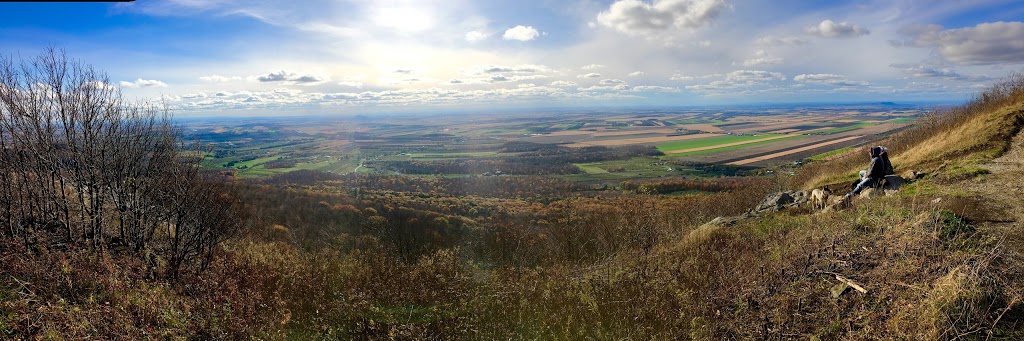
942	259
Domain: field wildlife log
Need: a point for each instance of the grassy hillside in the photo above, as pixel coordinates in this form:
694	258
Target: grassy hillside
948	142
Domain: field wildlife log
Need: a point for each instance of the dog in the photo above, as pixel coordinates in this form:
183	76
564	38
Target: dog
819	198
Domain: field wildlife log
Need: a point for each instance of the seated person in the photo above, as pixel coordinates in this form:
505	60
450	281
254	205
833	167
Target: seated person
879	168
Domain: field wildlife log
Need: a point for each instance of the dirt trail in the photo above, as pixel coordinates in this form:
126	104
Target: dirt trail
1003	189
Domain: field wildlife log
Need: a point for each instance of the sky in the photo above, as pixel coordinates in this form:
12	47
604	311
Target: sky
256	57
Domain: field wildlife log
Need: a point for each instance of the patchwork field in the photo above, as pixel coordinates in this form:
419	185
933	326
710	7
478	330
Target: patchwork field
590	147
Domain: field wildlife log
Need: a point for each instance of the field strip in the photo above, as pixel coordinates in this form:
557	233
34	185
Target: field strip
689	150
784	131
657	139
792	151
635	132
816	129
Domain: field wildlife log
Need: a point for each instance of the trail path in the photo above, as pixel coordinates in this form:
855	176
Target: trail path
1003	189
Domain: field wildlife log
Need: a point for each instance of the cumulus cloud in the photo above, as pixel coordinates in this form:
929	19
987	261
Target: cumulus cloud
635	74
983	44
922	71
475	36
285	76
612	81
679	77
521	33
638	17
274	77
762	58
143	83
827	79
590	75
831	29
592	67
404	71
563	83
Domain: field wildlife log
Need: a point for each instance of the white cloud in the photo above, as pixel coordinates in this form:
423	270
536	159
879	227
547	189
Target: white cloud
563	83
635	74
592	67
517	69
475	36
143	83
983	44
736	80
827	79
679	77
285	76
922	71
762	58
637	17
521	33
589	75
748	75
653	88
620	87
612	81
830	29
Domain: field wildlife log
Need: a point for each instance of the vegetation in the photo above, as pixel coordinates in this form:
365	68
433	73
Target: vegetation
111	231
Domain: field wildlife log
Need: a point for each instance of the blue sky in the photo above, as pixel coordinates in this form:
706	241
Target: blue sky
206	57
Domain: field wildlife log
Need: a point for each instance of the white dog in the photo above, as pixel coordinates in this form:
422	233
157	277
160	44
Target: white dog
819	198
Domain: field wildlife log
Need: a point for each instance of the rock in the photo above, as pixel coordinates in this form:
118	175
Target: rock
893	183
910	174
724	221
775	202
868	193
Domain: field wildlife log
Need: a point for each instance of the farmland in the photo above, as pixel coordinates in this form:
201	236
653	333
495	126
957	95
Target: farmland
586	147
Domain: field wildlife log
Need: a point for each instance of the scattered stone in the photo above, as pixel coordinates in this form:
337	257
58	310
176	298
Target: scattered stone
775	202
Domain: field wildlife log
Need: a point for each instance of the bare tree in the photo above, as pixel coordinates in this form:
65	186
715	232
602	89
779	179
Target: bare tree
82	166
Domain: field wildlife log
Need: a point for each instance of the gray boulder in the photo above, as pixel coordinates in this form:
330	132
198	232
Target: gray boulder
775	202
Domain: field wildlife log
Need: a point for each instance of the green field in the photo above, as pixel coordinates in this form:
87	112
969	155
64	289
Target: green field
632	168
739	146
711	141
827	154
902	120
